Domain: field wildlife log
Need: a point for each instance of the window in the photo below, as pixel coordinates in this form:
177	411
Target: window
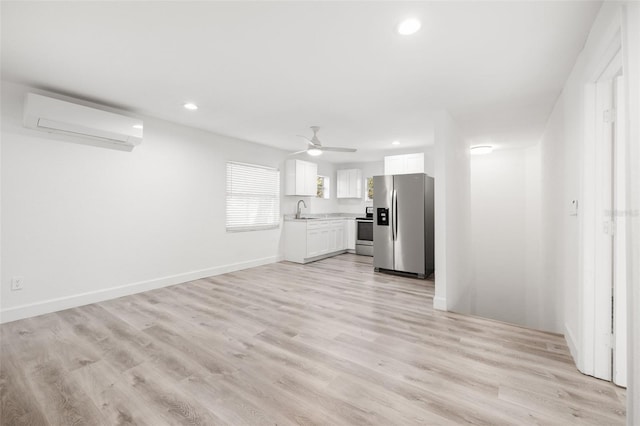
370	189
253	197
324	187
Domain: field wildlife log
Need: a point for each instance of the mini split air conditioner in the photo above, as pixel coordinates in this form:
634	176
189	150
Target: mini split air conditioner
82	124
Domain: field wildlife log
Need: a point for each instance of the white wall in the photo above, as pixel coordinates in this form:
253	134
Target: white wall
429	160
505	223
564	149
540	313
498	235
559	229
453	256
82	223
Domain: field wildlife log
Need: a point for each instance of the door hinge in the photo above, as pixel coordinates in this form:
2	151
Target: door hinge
608	228
609	115
608	340
612	342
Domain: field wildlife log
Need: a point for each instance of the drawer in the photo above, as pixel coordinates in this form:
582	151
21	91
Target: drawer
317	224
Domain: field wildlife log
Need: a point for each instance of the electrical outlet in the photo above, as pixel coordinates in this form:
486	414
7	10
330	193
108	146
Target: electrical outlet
17	283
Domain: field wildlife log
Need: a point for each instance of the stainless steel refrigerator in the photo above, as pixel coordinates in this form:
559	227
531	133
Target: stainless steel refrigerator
403	224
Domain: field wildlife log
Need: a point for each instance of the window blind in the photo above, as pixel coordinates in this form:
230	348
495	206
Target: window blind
253	197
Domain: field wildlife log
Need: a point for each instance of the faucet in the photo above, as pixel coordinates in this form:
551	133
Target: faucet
298	208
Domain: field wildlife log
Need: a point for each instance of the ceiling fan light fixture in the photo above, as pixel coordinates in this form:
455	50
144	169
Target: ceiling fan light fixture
409	26
481	149
314	152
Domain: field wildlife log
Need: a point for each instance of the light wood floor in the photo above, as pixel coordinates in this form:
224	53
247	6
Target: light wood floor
325	343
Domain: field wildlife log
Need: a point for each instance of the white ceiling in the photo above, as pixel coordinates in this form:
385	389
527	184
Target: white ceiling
265	71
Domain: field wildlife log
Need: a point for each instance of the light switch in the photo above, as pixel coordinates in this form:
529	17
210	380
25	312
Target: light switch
573	208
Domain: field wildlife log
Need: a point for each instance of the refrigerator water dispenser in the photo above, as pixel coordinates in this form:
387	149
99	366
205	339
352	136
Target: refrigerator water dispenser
383	216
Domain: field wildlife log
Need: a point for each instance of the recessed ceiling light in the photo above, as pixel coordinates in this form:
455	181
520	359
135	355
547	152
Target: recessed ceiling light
409	26
314	152
481	149
191	106
395	143
137	126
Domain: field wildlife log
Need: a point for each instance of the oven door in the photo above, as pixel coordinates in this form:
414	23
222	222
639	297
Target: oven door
364	233
364	237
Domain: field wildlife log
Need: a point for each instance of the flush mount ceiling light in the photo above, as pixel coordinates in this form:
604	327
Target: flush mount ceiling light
314	152
190	106
481	149
138	126
409	26
395	143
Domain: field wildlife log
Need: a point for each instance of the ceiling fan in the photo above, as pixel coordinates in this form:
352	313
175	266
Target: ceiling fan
315	146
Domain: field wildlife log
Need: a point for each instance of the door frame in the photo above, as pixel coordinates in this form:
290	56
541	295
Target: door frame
595	245
620	276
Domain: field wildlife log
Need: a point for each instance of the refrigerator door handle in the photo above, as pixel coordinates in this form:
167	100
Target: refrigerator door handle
394	214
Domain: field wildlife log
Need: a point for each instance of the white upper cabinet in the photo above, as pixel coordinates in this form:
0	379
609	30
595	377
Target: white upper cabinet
349	183
301	178
404	164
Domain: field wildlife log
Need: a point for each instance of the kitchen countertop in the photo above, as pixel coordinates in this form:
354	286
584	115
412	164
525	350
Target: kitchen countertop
325	216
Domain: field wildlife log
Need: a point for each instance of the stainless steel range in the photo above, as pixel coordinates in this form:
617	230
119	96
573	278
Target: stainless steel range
364	234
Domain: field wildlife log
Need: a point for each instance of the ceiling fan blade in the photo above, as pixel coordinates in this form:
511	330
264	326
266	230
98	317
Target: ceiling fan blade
309	141
333	148
297	152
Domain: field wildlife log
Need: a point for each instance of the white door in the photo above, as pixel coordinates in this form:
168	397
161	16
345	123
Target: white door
340	240
325	241
619	240
394	165
608	324
415	163
301	185
351	183
314	243
342	183
310	178
351	234
603	267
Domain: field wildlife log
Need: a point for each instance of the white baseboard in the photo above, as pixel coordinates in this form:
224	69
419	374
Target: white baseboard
439	303
61	303
573	346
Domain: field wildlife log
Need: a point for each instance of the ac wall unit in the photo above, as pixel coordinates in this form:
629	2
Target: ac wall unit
82	124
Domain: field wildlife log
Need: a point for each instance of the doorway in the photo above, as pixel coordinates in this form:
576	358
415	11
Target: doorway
604	227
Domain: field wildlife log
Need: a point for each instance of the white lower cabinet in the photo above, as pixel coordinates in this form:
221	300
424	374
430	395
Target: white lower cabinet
337	235
305	241
350	236
317	242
